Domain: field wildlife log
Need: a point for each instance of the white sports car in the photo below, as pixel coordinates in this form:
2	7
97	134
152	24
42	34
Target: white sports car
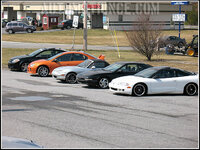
157	80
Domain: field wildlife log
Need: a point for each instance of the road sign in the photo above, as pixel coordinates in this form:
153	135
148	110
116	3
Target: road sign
178	17
75	21
179	2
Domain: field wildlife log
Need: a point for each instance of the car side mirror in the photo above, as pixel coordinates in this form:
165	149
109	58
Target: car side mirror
120	71
155	77
93	67
55	60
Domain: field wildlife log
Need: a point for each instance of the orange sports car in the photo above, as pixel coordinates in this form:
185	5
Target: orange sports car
44	67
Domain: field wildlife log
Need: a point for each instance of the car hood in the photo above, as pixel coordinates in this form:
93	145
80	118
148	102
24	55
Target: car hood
69	68
93	72
129	79
39	61
20	57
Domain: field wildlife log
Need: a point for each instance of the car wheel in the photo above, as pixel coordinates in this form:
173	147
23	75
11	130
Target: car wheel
71	78
62	28
29	30
190	52
103	83
180	45
139	90
191	89
24	66
68	27
10	31
43	71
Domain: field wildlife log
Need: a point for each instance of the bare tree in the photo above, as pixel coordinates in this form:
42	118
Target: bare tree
144	36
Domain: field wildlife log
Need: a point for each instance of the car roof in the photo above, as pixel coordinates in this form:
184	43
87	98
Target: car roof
54	48
98	60
130	62
167	67
79	52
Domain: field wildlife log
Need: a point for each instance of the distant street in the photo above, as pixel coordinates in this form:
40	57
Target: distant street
7	44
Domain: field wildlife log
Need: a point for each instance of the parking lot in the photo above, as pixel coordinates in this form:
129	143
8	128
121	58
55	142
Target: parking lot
60	115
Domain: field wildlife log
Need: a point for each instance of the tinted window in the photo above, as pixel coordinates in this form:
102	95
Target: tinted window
86	63
181	73
172	38
147	73
21	24
35	52
98	64
45	54
77	57
9	24
166	73
14	24
113	67
129	68
66	57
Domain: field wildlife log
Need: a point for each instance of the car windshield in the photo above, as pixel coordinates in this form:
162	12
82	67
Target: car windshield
113	67
146	73
35	52
54	56
85	64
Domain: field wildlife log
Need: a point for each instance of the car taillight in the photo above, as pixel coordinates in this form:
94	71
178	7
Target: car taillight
63	23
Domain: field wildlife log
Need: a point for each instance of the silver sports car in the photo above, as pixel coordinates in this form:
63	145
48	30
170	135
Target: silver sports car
68	73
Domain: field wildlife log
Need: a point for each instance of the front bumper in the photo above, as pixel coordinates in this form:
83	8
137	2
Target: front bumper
13	66
120	89
32	70
87	81
60	26
58	76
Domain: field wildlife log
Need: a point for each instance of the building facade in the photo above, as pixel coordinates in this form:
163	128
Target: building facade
107	15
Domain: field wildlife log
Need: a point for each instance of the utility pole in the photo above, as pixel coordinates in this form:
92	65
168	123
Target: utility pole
85	27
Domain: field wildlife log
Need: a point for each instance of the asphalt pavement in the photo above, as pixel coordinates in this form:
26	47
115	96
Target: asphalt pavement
58	115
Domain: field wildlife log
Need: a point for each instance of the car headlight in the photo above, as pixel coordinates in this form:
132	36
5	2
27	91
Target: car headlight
15	60
123	84
31	65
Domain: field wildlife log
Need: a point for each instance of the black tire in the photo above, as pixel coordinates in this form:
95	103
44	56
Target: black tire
29	30
139	90
62	28
11	31
71	78
68	27
180	44
103	83
24	67
191	89
43	71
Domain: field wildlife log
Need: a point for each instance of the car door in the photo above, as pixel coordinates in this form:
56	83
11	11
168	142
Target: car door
78	58
15	27
20	27
164	81
63	60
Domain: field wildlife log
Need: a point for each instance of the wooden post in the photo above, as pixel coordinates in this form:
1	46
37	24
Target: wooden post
85	27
